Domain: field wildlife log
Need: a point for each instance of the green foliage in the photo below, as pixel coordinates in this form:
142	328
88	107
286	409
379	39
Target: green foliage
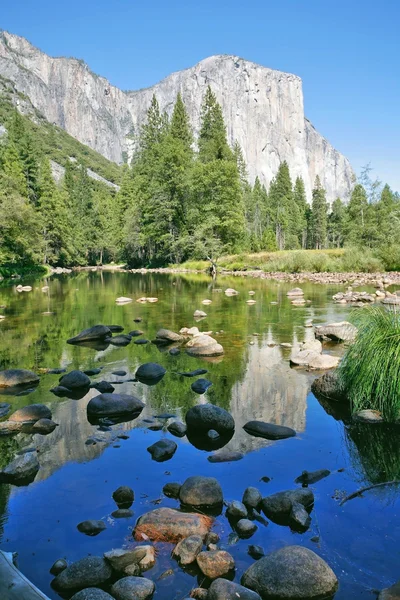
319	216
370	369
213	144
336	224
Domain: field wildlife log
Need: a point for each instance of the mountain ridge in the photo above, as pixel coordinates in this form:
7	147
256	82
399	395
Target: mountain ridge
263	110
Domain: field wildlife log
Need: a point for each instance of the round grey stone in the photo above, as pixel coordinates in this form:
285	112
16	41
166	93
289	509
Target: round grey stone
133	588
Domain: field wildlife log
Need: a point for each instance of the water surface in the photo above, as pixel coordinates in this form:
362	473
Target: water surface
253	380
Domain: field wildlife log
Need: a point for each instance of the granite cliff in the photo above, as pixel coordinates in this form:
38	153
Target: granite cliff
263	110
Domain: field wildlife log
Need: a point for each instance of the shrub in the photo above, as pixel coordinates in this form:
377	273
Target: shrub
370	369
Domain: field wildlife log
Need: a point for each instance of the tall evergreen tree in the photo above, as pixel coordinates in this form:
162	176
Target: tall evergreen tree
336	224
299	196
283	208
213	143
319	215
180	128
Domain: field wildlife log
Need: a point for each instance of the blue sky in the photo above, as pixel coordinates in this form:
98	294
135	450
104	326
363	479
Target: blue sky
346	51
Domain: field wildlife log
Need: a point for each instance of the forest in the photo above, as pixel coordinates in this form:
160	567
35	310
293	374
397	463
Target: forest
177	201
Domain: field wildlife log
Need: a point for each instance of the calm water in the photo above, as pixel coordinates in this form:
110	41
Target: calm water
253	381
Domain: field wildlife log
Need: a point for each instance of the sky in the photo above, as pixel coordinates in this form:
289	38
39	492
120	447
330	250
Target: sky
347	53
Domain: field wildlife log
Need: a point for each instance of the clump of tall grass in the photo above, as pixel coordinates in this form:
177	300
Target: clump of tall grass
370	369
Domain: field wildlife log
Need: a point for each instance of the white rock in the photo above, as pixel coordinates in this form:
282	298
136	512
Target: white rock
123	300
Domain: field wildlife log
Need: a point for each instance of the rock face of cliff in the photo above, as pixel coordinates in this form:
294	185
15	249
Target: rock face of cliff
263	110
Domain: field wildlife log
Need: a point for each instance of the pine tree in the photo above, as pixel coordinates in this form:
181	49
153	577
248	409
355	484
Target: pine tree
27	151
336	224
180	128
282	207
357	211
256	216
213	143
13	168
154	129
319	215
299	196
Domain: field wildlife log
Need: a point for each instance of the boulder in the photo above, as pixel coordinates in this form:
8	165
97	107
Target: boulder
108	405
251	497
92	372
198	314
31	413
86	572
204	345
168	336
231	292
177	428
201	386
171	490
121	558
44	426
5	408
225	456
215	564
193	373
75	379
201	492
169	525
292	573
141	342
133	588
122	513
187	549
269	431
104	387
119	340
97	332
203	417
115	328
22	470
58	566
92	594
310	477
295	292
15	377
368	416
299	519
236	510
223	589
123	300
329	386
314	360
245	528
162	450
391	593
255	552
338	332
150	373
124	496
278	507
91	527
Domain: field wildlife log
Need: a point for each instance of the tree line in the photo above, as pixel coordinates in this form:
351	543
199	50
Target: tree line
178	200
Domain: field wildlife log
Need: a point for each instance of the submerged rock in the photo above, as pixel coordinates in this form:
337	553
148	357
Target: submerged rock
177	428
162	450
92	594
255	552
119	340
223	589
108	405
44	426
136	333
225	455
193	373
171	490
169	525
215	564
75	379
122	513
187	549
269	431
133	588
295	292
278	507
252	497
17	377
245	528
121	558
22	470
104	387
292	573
91	527
124	495
86	572
236	510
97	332
203	417
299	519
5	408
314	360
391	593
310	477
91	372
150	373
201	492
368	416
201	385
